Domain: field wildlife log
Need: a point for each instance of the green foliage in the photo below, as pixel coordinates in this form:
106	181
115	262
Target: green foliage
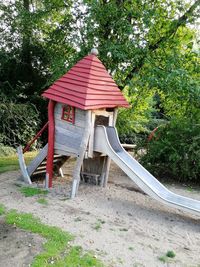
32	191
77	258
170	254
6	150
57	250
147	46
174	151
57	240
42	201
132	122
19	123
98	225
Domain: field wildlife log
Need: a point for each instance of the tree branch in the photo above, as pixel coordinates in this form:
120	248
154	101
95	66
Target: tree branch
173	28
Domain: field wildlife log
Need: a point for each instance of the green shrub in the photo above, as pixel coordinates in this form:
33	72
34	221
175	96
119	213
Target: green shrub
6	150
174	151
19	123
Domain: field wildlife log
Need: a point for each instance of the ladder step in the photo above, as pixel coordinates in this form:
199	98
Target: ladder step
39	172
54	161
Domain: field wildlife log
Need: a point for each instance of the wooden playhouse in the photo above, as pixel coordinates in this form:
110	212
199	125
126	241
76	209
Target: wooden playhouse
86	96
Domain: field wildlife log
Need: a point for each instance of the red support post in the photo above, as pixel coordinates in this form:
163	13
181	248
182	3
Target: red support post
51	137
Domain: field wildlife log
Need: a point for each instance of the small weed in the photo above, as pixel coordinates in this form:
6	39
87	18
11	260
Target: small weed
78	219
2	209
98	224
31	191
123	229
131	248
101	221
170	254
163	259
42	201
190	189
120	260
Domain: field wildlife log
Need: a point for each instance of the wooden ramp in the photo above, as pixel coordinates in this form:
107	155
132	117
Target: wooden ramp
37	167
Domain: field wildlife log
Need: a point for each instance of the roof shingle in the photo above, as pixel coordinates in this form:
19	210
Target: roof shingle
87	85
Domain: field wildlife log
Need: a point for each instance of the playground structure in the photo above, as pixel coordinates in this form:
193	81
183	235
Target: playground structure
82	113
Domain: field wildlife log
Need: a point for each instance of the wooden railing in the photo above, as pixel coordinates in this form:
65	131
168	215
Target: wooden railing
35	138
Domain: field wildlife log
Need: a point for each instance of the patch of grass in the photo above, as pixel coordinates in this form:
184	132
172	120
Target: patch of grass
2	209
32	191
123	229
78	219
76	257
170	254
10	163
98	224
57	250
42	201
163	259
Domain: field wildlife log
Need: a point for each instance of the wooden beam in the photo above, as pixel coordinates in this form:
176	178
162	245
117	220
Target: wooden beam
107	162
80	158
22	165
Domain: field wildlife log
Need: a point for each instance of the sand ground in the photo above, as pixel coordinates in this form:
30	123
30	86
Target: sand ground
123	227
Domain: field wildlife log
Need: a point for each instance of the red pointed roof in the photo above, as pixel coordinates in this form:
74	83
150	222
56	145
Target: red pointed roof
87	85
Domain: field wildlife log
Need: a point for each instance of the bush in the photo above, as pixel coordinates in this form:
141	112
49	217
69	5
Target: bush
19	123
174	151
6	150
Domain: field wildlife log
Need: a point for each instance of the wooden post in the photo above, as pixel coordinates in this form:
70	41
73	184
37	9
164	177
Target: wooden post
91	139
22	165
115	116
106	167
51	137
80	157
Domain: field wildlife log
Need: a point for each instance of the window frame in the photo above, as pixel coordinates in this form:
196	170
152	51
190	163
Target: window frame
68	113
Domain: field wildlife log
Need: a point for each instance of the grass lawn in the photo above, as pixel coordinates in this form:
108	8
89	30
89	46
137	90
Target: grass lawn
10	163
58	251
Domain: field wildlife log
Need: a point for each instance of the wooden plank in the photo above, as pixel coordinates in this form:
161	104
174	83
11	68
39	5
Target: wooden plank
69	141
80	158
106	170
128	146
115	116
91	139
65	153
23	166
37	160
67	132
68	126
67	150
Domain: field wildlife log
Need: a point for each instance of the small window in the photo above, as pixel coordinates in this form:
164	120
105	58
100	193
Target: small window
68	113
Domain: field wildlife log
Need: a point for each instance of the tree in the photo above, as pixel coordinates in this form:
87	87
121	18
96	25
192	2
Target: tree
34	44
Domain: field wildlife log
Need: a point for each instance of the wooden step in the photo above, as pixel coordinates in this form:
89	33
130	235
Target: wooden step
54	161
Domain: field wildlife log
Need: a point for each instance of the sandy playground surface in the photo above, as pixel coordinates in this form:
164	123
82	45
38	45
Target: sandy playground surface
123	227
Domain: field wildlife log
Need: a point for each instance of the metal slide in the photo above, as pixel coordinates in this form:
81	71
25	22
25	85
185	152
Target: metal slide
107	142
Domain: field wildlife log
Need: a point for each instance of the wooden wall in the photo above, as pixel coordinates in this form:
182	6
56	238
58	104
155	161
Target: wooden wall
68	136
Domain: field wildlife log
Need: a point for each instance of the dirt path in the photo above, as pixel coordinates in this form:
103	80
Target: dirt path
18	247
123	227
